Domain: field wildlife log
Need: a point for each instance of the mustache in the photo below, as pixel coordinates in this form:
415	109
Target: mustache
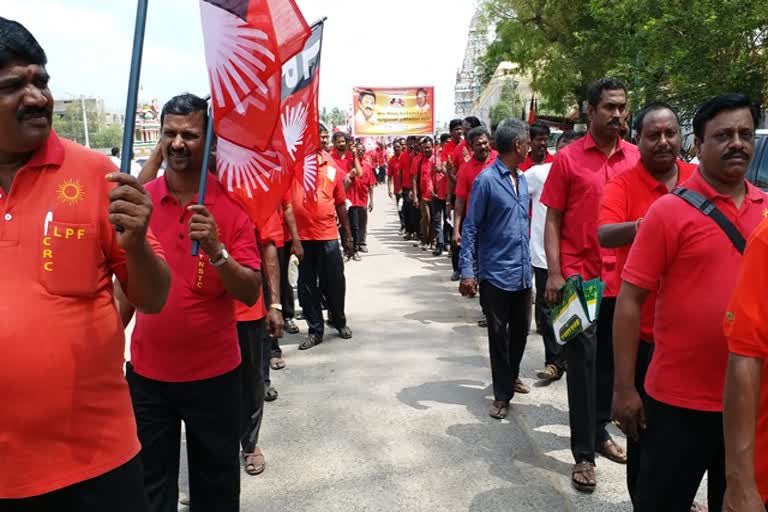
185	153
735	152
30	112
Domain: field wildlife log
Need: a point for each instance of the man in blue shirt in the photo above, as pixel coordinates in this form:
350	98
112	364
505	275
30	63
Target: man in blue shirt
495	233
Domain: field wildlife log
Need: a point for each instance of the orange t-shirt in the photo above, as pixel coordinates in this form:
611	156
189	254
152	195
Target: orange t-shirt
627	198
746	327
315	211
63	394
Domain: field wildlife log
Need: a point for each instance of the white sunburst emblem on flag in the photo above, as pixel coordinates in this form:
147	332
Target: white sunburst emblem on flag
310	172
294	121
235	52
246	169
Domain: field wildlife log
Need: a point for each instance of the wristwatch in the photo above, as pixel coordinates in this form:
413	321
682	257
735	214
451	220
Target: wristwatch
222	259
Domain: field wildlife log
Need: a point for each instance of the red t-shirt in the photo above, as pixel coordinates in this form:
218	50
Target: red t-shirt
467	174
574	186
393	170
426	181
528	162
194	337
270	233
692	264
405	167
65	410
449	150
627	198
441	182
746	327
316	212
359	189
412	169
462	154
343	162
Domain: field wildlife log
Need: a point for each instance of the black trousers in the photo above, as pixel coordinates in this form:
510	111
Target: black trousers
411	213
210	410
680	446
286	290
507	314
119	490
589	357
456	250
322	266
553	352
358	220
252	338
635	448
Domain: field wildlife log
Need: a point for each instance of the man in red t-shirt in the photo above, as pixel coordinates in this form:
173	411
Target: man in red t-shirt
321	271
68	437
345	157
572	194
361	197
687	258
625	202
745	406
424	184
411	204
257	326
440	198
185	361
394	179
538	154
456	128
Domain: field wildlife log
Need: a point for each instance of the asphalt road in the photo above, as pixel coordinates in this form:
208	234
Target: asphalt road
396	419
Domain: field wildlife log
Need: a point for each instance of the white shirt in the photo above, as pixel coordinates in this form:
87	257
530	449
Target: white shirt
536	177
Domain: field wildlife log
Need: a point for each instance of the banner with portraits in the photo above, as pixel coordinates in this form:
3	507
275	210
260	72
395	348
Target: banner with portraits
390	111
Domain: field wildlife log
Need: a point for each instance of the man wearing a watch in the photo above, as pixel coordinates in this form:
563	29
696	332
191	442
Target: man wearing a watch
185	362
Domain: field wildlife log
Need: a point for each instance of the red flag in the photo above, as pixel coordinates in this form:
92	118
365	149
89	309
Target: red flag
532	112
246	43
259	179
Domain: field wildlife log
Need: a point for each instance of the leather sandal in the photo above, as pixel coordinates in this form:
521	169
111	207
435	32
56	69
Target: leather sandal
277	363
612	451
499	409
521	387
586	481
255	464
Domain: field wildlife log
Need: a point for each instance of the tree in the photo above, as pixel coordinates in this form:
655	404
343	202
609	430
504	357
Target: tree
70	124
108	137
681	51
334	117
509	105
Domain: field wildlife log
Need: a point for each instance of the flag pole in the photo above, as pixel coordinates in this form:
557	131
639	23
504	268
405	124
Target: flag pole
204	172
133	86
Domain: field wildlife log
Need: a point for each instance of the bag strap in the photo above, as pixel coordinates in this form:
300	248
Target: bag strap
706	207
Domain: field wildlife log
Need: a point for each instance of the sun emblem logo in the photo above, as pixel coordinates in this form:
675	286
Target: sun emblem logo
70	192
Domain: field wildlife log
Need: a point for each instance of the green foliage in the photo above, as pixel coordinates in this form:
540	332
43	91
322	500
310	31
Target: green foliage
509	105
70	124
680	51
334	117
108	137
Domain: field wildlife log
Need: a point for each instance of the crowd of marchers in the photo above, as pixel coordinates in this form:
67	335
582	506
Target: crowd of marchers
677	358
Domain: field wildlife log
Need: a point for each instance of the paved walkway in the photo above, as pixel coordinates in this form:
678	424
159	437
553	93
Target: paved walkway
396	418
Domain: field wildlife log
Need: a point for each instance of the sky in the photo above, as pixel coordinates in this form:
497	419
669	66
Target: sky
366	43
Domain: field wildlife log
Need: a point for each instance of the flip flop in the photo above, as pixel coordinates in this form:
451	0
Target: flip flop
277	363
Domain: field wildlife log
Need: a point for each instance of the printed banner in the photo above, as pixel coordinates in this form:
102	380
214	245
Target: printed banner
389	111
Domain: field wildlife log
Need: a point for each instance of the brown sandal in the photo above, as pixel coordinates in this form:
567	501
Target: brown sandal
499	409
613	452
587	482
277	363
255	464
